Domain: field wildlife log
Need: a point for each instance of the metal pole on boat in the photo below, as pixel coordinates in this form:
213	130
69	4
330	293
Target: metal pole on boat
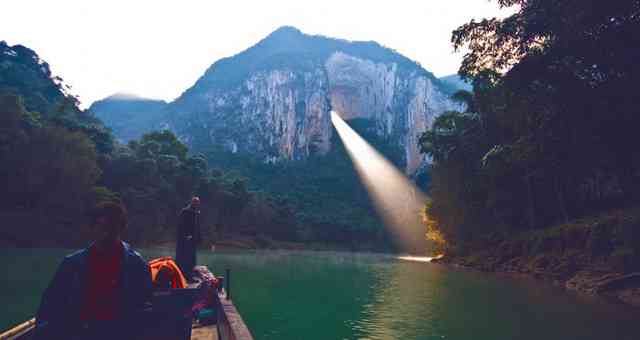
228	280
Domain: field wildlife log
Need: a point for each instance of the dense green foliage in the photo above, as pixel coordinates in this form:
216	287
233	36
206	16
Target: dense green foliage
324	192
24	74
44	166
58	161
550	129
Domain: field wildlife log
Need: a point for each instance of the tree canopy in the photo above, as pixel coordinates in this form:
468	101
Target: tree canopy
549	132
59	160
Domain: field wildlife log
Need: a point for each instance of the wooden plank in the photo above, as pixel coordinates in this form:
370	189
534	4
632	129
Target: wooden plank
231	325
209	332
19	331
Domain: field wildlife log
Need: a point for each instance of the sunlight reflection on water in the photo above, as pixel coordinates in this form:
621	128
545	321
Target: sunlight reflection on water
415	258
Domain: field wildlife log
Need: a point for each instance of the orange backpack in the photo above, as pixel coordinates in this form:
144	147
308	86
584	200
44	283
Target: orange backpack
166	266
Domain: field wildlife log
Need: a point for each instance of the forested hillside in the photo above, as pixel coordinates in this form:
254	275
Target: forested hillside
264	114
549	136
58	161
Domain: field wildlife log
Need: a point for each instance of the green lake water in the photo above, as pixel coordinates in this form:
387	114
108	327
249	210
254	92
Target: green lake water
324	295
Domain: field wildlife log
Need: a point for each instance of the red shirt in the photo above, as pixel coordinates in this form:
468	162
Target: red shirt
101	299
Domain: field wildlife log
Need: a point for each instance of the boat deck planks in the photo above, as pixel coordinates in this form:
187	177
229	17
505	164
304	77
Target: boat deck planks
209	332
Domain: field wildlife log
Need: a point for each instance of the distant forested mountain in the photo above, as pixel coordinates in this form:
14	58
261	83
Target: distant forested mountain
127	115
455	82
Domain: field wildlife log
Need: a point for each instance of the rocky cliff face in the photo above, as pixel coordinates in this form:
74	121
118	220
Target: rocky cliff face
274	99
401	106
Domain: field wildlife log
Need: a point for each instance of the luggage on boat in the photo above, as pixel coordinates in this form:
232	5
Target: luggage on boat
165	273
171	315
176	304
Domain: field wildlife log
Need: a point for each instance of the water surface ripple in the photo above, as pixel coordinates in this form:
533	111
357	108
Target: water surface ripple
323	295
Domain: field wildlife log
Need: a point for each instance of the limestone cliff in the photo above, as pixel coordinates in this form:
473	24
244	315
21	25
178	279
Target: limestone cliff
402	106
274	99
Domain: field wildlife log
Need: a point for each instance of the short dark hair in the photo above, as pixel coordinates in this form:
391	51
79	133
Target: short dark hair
114	211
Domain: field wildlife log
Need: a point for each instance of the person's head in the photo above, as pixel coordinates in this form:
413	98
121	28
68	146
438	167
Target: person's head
195	201
109	220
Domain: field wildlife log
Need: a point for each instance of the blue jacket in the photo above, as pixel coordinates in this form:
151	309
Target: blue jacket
61	302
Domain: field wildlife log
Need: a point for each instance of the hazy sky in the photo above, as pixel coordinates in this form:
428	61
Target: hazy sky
159	48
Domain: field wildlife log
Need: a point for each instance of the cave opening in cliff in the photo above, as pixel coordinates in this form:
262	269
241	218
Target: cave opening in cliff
396	199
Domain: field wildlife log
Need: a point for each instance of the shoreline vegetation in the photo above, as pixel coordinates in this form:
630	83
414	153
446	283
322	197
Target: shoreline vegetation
230	242
539	174
583	255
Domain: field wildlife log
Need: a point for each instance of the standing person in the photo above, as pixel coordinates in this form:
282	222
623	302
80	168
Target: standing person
188	237
99	292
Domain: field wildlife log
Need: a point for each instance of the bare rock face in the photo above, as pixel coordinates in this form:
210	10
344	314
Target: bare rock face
402	107
360	88
278	114
289	109
274	99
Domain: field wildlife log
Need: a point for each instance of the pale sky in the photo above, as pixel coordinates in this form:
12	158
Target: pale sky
159	48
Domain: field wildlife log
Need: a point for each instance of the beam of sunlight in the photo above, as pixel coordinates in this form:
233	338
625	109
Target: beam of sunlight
395	198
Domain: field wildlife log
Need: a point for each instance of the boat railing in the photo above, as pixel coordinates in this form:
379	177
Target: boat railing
230	324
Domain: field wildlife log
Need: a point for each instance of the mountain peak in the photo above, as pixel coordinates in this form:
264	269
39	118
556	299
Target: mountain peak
126	96
284	35
286	30
123	96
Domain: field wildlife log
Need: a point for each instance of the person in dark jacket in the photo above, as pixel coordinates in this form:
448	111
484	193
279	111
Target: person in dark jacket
99	292
188	237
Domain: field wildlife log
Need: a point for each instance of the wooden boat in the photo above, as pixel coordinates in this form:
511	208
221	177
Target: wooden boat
225	322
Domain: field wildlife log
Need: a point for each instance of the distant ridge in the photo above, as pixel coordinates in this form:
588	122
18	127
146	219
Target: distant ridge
127	96
456	83
128	115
